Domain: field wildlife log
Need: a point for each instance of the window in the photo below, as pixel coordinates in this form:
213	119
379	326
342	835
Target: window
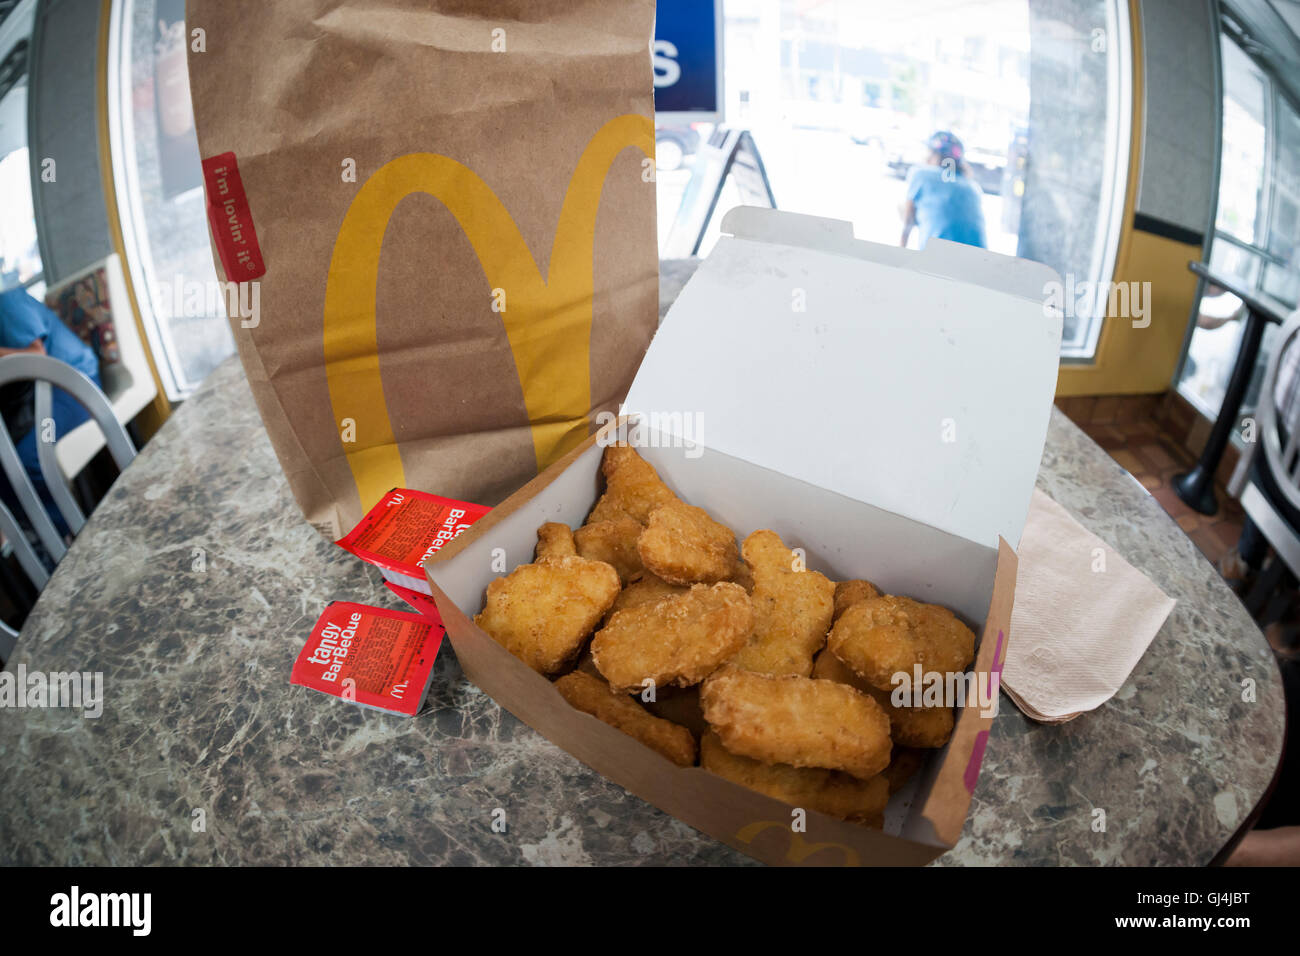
1245	143
20	258
1255	229
159	185
841	98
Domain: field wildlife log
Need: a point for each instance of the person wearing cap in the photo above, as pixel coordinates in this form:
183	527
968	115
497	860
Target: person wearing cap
943	200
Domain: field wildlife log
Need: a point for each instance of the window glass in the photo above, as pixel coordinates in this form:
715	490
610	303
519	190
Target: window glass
1257	225
1284	209
841	99
20	258
1241	169
166	229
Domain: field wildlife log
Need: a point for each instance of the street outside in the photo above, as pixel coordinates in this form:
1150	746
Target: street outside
823	173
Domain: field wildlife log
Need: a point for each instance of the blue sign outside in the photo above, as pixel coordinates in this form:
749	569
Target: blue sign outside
688	60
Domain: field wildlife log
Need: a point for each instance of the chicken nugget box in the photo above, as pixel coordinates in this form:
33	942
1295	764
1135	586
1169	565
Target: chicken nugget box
882	409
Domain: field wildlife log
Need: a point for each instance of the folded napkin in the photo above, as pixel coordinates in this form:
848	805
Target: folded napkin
1083	618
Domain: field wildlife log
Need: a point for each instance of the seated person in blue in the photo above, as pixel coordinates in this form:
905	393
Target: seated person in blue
943	200
26	325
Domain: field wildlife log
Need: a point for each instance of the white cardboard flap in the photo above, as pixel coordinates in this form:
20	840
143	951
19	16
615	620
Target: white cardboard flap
917	382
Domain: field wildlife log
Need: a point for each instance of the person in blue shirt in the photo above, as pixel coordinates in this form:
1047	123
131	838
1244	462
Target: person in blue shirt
28	326
943	199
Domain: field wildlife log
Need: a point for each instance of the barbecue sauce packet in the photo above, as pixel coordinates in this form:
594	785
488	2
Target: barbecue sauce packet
370	656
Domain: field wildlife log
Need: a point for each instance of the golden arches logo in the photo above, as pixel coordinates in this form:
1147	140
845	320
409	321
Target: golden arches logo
799	849
547	320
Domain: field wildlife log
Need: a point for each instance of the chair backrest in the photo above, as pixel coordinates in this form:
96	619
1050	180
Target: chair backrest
44	372
1283	457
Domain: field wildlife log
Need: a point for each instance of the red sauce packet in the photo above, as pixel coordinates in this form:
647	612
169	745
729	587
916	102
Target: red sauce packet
404	528
370	656
423	604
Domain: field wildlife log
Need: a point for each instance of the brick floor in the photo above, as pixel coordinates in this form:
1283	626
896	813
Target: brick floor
1139	432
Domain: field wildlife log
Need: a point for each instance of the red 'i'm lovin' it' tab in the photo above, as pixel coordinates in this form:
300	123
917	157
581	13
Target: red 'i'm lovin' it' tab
231	219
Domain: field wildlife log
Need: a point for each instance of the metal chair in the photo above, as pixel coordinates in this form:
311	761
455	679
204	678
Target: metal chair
44	372
1283	463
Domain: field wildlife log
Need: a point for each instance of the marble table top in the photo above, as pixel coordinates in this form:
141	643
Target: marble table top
196	582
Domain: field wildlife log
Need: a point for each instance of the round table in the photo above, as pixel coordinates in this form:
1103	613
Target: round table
196	582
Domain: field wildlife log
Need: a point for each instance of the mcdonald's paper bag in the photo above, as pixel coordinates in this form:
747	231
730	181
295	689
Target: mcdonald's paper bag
448	207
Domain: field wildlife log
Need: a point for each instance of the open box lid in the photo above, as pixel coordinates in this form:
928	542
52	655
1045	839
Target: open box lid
918	382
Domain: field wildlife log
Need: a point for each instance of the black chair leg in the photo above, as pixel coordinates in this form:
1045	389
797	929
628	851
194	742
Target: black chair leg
1267	582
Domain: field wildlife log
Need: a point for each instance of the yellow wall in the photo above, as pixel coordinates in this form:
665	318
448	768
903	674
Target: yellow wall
1129	360
1132	361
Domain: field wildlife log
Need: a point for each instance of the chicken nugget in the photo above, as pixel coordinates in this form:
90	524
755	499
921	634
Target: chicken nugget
831	792
544	612
849	593
591	695
647	589
683	545
632	487
883	636
908	726
798	721
792	610
555	540
614	542
904	763
680	640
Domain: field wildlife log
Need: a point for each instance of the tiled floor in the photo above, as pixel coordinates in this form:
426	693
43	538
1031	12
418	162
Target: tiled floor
1138	433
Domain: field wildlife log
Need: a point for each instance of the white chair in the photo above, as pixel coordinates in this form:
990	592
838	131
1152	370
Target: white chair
1283	462
45	372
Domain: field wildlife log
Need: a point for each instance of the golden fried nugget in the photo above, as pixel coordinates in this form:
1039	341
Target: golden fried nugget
849	593
831	792
792	610
680	640
882	636
797	720
647	589
904	762
683	545
555	540
591	695
544	612
614	542
632	487
908	726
